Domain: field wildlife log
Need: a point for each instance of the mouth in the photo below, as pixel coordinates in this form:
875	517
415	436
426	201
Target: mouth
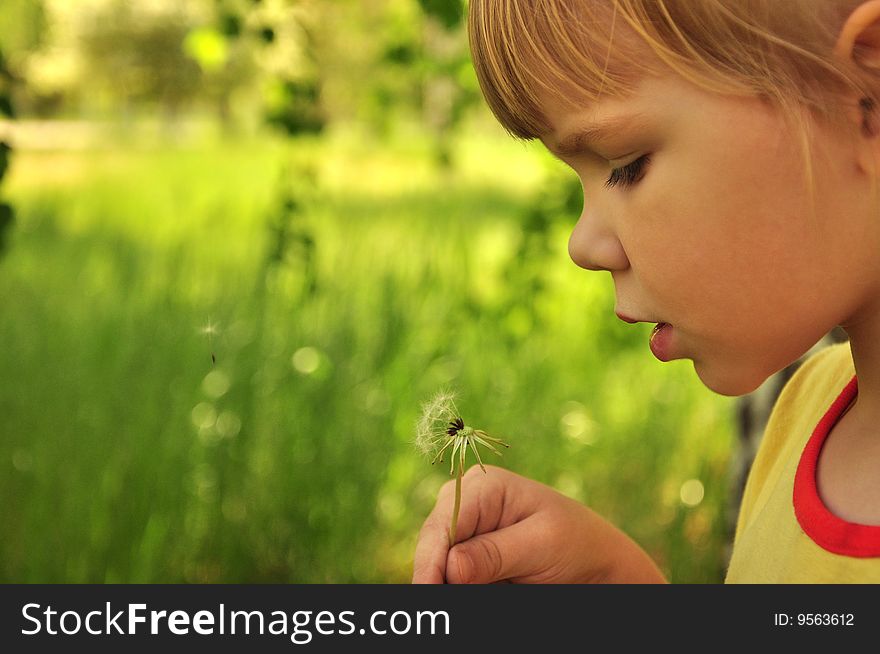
633	321
662	342
658	327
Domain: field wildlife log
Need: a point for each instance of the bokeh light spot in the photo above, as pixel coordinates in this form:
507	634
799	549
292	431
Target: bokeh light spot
228	424
306	360
692	492
215	384
204	415
577	425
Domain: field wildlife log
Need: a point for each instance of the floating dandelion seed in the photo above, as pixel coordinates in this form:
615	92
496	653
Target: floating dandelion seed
441	430
209	329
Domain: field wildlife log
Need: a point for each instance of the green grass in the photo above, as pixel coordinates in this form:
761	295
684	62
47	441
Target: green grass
128	456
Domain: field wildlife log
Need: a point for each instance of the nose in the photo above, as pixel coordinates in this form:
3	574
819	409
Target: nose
593	244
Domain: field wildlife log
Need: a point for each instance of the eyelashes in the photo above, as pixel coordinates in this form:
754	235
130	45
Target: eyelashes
630	174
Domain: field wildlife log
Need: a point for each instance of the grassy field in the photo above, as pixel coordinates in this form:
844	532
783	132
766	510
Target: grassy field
213	356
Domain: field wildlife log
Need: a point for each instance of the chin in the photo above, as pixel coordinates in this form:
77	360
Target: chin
741	382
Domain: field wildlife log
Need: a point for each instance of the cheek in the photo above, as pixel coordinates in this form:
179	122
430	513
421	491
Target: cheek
711	242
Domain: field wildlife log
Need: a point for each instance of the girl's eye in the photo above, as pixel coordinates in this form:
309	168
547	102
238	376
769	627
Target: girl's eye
629	174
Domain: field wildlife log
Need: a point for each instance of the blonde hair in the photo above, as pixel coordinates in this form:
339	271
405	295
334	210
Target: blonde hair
781	50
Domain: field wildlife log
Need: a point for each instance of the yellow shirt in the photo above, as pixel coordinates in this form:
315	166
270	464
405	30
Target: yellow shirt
785	533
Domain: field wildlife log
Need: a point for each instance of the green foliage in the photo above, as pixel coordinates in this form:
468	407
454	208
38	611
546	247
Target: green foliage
208	47
131	456
449	12
230	24
291	242
4	158
267	34
292	105
6	219
400	54
139	57
7	79
292	102
6	109
23	26
217	371
305	64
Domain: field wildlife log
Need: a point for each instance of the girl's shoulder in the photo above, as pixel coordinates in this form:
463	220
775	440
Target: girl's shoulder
822	374
819	379
824	371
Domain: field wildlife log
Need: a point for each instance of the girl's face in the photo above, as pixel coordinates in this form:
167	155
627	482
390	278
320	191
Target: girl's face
712	231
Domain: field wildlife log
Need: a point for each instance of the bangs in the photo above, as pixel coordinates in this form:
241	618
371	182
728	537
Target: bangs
524	50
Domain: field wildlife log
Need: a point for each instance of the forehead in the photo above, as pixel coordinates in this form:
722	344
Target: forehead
575	121
568	102
537	58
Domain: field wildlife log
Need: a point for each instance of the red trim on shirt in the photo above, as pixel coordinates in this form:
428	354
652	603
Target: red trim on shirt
823	527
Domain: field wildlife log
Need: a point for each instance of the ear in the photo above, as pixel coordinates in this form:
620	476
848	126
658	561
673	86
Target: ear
859	42
859	38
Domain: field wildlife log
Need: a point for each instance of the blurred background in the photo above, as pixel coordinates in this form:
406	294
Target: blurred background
241	241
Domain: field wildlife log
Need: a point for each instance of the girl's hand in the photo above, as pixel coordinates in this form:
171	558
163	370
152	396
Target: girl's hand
514	529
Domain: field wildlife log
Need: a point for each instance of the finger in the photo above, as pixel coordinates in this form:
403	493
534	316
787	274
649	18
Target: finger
509	553
492	500
429	565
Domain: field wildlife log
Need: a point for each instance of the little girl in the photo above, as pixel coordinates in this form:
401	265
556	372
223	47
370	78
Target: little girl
728	154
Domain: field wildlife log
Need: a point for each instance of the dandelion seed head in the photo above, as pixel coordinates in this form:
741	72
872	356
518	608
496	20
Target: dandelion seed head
431	426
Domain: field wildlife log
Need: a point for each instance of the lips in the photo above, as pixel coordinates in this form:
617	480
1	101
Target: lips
662	342
658	327
631	321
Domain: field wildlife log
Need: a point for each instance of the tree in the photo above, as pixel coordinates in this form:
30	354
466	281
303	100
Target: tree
139	56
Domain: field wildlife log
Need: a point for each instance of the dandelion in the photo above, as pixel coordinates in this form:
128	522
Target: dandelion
440	431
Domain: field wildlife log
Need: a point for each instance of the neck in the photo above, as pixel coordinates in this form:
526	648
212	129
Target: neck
865	345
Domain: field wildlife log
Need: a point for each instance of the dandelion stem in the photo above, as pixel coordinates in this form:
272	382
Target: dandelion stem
455	509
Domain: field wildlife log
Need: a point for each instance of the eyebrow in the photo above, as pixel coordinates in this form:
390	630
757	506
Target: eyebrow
577	141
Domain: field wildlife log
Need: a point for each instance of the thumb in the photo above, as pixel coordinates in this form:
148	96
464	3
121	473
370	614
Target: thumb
491	557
